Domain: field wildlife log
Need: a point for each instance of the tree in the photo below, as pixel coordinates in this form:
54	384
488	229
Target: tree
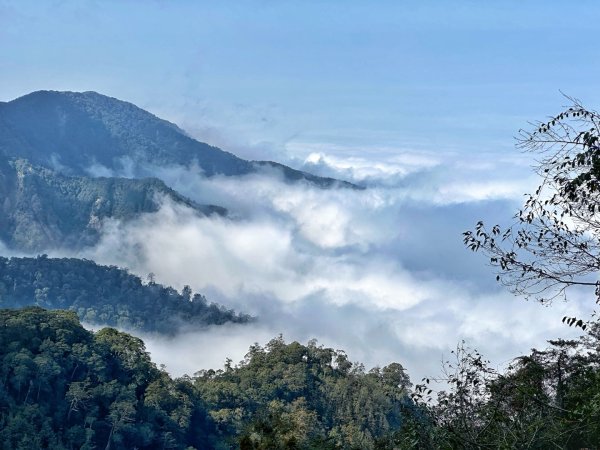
186	293
555	243
120	414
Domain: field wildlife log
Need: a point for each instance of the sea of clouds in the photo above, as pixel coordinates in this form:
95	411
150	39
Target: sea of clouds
380	272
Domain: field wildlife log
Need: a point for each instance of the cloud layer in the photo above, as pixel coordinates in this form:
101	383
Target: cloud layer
380	272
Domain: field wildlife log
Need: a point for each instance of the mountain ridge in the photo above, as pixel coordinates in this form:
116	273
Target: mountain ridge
107	296
44	209
73	131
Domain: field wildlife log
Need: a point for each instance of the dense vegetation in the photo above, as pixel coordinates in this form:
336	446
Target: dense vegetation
106	295
295	396
64	387
43	209
547	399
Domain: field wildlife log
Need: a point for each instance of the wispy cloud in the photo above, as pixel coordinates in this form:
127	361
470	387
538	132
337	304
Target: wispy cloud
381	272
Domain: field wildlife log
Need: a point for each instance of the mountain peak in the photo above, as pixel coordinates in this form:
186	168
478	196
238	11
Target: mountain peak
77	130
74	131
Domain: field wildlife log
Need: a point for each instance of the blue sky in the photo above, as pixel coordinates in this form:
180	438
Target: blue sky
418	100
465	75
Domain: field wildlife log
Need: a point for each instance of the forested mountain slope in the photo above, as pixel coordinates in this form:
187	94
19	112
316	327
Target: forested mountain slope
106	296
64	387
307	396
42	209
76	130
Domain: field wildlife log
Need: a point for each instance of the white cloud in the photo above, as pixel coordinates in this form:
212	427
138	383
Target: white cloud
380	272
361	169
265	256
466	191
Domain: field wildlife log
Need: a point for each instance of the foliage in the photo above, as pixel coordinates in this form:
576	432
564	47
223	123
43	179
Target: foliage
555	243
106	295
63	387
296	396
547	399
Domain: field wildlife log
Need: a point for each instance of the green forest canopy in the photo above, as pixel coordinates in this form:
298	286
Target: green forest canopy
106	295
64	387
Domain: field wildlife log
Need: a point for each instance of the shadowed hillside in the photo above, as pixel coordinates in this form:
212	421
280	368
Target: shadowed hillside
42	209
106	296
74	131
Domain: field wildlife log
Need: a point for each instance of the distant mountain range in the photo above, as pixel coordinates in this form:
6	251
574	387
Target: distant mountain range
74	131
54	144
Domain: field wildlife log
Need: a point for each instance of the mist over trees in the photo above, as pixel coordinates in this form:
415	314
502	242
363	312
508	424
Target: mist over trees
102	295
63	387
43	209
75	131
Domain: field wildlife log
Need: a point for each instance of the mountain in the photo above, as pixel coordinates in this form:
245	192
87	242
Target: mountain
65	387
42	209
68	388
74	131
106	296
